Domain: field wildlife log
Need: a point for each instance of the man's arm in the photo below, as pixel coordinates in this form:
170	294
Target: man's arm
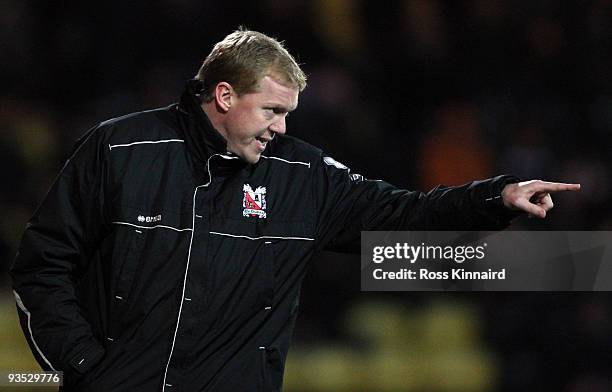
54	252
349	204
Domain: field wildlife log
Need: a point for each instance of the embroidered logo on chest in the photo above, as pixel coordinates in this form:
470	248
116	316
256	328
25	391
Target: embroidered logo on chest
254	201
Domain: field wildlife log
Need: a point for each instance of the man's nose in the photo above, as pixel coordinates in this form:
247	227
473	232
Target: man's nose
279	126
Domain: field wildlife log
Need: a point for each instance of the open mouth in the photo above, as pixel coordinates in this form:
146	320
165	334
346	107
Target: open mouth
262	143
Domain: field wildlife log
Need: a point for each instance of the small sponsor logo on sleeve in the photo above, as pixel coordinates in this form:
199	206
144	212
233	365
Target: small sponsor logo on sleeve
332	162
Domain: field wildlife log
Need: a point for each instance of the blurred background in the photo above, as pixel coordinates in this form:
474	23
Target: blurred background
417	92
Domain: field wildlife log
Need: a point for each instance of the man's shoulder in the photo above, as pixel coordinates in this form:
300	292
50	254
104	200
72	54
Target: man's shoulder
148	125
293	149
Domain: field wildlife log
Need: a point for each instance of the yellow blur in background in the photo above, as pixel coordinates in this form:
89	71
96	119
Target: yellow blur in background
434	348
15	355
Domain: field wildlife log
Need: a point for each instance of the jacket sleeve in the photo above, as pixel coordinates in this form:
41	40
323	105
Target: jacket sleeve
54	252
348	204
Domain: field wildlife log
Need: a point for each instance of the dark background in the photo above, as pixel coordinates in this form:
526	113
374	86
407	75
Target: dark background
415	92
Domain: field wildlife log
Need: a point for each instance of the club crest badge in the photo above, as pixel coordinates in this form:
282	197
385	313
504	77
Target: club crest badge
254	201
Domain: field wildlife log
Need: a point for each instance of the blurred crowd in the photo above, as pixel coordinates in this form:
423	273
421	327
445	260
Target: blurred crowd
416	92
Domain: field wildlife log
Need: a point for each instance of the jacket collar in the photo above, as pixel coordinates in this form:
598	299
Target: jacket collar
201	138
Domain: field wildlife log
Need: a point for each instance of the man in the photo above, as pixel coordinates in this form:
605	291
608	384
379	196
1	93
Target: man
169	253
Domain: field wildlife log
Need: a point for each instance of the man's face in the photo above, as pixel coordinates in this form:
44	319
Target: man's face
253	119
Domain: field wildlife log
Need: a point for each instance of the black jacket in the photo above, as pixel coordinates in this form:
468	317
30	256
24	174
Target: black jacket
159	262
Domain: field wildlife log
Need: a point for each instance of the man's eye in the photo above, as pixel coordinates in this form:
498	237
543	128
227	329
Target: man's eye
276	111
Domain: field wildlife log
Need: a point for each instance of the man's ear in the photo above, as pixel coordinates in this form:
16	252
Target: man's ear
224	95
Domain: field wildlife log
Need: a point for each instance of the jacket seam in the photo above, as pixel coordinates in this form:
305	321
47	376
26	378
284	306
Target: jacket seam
178	319
23	308
111	146
287	161
261	237
151	227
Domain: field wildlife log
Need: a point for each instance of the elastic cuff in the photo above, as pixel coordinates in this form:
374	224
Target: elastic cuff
495	204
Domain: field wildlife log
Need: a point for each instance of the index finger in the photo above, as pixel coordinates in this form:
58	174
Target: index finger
545	186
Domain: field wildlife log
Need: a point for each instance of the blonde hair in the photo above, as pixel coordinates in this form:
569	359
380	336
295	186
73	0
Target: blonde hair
243	58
